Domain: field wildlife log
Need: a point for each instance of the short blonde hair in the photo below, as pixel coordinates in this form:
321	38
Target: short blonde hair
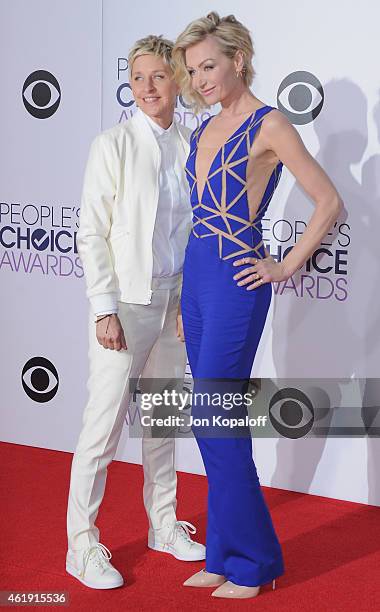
151	45
231	35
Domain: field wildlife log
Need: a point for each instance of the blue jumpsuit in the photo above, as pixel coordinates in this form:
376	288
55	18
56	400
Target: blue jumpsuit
223	324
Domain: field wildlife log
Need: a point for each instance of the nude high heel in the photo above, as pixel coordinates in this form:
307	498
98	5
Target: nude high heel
229	590
204	579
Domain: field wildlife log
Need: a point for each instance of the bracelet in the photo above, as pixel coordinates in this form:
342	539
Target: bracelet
103	317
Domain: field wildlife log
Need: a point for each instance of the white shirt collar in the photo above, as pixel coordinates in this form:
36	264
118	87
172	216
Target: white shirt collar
157	129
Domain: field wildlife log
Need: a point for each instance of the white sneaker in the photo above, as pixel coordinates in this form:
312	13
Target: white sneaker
92	567
175	539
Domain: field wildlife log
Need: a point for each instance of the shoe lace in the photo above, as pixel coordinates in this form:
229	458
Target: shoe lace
99	554
183	529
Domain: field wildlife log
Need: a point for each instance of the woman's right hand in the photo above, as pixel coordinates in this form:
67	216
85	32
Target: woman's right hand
110	334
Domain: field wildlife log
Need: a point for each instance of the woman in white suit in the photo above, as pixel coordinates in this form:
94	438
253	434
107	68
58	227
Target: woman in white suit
134	224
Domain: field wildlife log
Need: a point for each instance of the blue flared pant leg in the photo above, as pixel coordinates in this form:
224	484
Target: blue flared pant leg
223	324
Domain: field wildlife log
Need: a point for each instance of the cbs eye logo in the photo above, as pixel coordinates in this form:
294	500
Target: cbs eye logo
41	94
300	97
40	379
293	417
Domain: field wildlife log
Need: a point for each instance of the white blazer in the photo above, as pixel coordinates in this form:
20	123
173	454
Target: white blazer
118	212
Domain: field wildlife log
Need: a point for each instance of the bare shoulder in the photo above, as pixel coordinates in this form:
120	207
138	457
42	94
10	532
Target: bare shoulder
278	133
275	120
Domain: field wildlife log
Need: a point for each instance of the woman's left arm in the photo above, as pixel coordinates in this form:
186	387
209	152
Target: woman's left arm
279	136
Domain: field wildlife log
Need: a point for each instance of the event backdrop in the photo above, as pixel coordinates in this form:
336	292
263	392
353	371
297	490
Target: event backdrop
64	76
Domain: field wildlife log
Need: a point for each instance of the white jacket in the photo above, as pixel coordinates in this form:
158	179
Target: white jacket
118	212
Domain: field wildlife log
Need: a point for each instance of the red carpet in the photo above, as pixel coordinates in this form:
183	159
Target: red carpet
331	548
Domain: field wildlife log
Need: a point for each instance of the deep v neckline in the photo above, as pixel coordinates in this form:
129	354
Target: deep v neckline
249	118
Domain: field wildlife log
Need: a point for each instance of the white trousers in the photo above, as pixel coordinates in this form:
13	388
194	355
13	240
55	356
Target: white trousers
154	351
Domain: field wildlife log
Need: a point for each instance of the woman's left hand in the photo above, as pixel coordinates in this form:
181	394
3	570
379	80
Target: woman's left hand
266	270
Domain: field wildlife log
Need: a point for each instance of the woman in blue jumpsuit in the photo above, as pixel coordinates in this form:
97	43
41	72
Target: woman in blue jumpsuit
223	323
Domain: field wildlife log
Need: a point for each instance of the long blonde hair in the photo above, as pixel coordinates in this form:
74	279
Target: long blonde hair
231	35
